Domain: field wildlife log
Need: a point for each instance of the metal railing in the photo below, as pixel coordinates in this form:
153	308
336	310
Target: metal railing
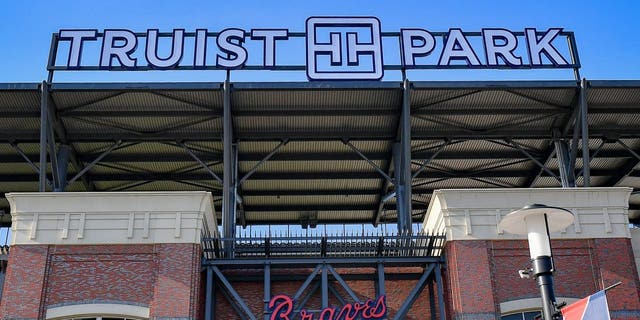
351	246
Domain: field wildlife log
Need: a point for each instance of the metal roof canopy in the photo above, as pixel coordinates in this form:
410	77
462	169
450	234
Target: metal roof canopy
320	152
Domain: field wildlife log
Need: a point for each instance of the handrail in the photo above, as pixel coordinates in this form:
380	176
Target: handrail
424	245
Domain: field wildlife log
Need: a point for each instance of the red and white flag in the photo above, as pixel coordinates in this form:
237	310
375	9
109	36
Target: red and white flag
593	307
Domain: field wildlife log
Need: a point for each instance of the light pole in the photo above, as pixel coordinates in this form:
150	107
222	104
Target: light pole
536	221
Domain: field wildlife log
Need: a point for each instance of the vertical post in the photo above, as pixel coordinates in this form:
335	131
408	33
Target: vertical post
267	290
432	301
441	308
228	201
404	176
325	286
542	269
567	177
380	290
44	115
586	171
63	163
208	306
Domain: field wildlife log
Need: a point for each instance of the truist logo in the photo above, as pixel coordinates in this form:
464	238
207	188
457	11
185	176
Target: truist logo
351	48
281	307
337	48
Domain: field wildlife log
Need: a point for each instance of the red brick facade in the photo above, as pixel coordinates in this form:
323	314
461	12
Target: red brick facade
479	275
163	277
482	274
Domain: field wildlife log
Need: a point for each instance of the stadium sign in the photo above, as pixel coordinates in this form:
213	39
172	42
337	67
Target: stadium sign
337	48
281	307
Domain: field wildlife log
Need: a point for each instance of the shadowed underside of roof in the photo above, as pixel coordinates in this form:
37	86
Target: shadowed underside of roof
329	142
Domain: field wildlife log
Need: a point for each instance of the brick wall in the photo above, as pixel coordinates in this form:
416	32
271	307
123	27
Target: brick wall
163	277
482	274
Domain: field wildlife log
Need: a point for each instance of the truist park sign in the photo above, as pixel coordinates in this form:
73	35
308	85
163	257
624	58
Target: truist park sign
337	48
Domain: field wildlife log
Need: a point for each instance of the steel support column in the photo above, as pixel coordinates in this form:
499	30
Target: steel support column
44	116
209	307
403	177
228	195
567	177
267	290
380	289
64	152
325	286
586	171
441	307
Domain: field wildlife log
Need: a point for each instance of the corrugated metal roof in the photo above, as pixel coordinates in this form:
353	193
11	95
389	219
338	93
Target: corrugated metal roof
316	171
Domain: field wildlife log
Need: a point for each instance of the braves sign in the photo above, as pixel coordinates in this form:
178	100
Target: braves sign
337	48
281	307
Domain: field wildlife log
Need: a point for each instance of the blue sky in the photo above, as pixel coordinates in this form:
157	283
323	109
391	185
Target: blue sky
606	31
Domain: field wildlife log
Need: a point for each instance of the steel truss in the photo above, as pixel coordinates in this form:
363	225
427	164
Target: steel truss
406	174
324	256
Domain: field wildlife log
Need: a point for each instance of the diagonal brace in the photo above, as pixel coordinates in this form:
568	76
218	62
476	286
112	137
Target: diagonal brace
343	284
24	156
93	163
415	292
541	165
204	165
265	159
227	285
375	166
433	156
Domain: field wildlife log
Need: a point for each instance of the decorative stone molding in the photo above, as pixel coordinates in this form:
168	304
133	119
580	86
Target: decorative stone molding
111	217
473	214
99	309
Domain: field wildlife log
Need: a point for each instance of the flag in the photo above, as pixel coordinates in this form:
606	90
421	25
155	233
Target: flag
593	307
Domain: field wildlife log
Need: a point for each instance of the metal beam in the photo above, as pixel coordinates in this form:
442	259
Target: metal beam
325	286
371	163
584	123
627	168
61	132
306	283
415	292
96	160
227	285
263	160
228	202
541	165
209	308
202	164
161	176
441	307
44	116
267	290
28	160
403	176
327	135
344	285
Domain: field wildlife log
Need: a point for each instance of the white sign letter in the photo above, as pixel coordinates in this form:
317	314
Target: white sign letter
200	54
458	48
537	47
236	53
411	50
75	49
505	50
152	49
121	52
269	37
